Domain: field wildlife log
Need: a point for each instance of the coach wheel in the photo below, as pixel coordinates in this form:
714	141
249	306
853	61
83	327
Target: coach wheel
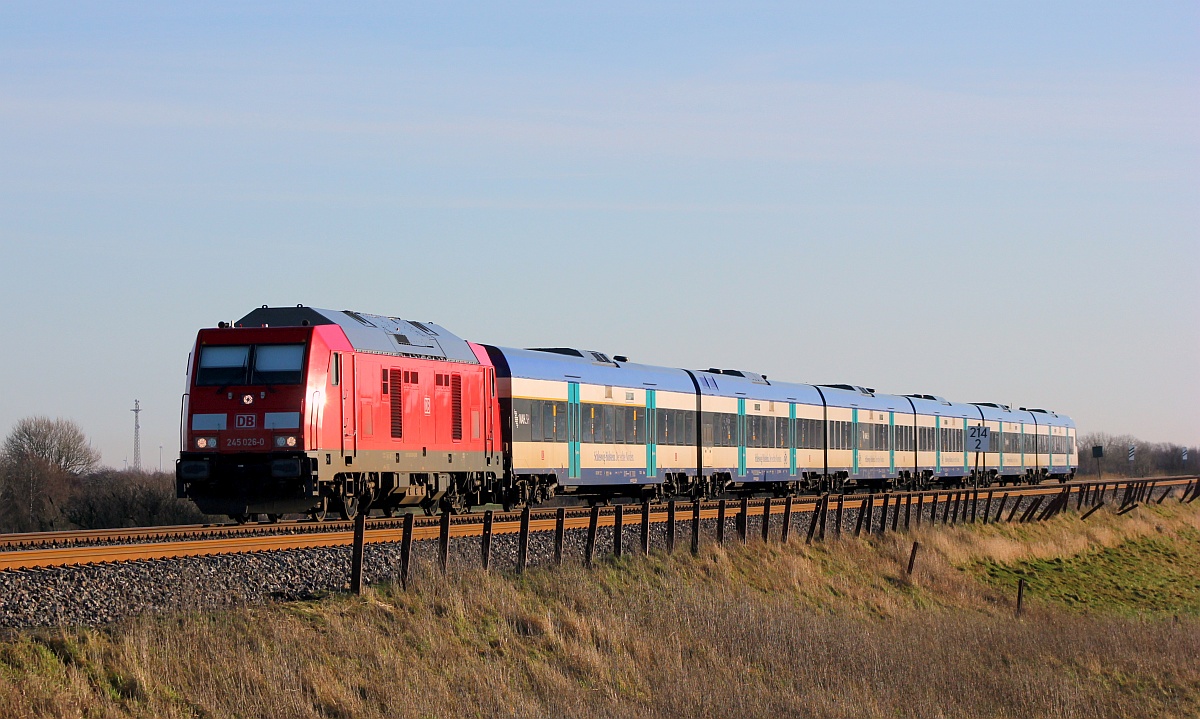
272	518
321	511
240	518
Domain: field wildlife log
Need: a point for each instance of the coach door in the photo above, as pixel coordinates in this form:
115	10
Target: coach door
574	430
651	434
741	436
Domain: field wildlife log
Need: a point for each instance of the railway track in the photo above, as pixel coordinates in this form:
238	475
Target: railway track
58	549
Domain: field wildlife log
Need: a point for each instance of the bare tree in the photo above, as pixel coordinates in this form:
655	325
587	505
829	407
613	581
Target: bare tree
59	442
40	464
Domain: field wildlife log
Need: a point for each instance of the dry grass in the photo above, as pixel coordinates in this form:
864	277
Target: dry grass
835	630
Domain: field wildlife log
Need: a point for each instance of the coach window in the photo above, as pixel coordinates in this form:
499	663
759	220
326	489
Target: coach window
522	431
535	420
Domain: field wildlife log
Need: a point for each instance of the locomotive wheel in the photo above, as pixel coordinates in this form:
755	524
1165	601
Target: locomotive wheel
272	518
348	508
321	511
240	518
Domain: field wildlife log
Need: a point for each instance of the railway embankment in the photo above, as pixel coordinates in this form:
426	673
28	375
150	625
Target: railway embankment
1110	628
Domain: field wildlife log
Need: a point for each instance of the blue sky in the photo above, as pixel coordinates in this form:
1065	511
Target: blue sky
994	202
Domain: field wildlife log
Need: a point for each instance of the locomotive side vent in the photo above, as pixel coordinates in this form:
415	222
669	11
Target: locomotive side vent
397	402
456	407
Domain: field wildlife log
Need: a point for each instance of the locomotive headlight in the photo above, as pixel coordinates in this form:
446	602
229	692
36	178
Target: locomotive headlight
285	441
206	443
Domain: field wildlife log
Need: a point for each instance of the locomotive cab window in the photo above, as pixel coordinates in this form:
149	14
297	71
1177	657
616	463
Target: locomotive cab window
278	364
223	365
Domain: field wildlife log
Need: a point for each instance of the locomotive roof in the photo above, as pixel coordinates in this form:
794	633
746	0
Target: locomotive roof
375	334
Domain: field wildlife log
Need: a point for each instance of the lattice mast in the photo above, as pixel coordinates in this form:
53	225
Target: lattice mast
137	435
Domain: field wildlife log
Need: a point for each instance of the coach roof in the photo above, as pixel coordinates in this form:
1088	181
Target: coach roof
563	364
374	334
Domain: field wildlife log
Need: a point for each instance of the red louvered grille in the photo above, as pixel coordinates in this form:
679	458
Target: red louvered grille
397	395
456	407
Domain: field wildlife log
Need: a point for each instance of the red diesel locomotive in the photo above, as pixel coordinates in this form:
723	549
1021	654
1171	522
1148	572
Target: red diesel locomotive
303	410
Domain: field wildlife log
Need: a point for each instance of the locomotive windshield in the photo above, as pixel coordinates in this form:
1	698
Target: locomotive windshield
223	365
278	364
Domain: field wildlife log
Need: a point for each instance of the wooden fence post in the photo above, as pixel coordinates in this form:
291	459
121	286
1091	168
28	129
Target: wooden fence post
618	528
721	522
766	520
356	552
912	558
1016	506
824	516
645	526
589	549
837	529
406	549
744	520
671	526
485	544
813	521
444	541
787	520
560	531
523	541
695	526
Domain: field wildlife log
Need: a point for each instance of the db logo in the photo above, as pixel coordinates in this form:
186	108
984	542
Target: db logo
244	421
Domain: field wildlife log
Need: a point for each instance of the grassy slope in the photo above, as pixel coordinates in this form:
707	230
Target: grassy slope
833	631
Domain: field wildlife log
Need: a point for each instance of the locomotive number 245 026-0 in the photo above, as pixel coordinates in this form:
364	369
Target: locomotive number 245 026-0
245	442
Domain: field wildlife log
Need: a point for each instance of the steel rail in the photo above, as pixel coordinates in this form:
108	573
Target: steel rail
467	525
